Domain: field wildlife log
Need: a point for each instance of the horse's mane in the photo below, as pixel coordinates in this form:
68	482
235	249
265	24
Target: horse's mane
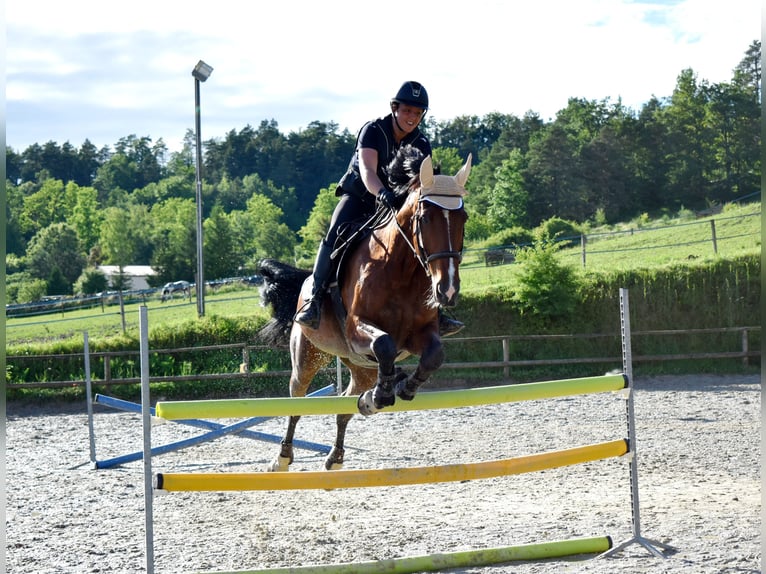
404	170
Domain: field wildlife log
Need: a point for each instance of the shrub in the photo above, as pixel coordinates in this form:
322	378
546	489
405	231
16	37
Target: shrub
547	288
516	236
90	282
557	229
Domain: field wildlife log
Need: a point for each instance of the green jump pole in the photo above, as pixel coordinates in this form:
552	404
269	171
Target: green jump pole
300	406
436	562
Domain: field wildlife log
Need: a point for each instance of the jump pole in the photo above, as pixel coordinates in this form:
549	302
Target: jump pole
216	430
627	367
444	561
310	480
235	408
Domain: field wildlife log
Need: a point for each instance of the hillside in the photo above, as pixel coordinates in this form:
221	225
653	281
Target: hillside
639	244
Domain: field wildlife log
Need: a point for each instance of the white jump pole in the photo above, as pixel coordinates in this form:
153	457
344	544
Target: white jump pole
143	327
89	399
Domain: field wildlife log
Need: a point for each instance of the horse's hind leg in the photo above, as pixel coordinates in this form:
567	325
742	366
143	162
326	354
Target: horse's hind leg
361	380
285	457
306	360
334	460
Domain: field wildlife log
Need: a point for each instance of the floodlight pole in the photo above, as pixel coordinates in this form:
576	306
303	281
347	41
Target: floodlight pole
201	73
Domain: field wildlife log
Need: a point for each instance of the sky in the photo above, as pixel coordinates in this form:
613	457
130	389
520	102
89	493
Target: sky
103	71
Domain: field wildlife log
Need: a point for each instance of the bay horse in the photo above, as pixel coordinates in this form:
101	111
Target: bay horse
385	304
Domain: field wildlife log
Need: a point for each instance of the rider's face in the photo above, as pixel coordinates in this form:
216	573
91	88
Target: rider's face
408	116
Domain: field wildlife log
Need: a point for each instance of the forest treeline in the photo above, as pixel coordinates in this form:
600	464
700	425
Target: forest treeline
270	194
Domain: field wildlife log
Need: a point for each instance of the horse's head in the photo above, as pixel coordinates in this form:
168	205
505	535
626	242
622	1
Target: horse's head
439	222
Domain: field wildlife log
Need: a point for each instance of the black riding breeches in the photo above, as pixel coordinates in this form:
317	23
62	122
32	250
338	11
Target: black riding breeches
350	208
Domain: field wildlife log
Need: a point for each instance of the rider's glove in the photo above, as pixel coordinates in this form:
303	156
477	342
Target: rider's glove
387	198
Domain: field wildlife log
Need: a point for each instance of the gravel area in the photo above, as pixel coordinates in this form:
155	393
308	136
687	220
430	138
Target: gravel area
698	443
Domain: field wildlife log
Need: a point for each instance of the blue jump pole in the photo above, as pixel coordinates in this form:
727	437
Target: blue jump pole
216	430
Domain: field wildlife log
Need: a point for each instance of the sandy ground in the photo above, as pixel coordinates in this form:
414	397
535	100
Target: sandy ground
699	475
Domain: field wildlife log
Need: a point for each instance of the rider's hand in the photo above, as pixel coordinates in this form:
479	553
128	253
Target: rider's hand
387	198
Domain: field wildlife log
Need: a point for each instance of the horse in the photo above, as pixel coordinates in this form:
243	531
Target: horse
169	290
384	306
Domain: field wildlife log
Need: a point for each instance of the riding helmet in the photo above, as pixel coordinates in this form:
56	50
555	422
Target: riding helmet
412	93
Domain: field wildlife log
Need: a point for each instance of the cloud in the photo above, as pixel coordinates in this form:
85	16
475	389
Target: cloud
75	70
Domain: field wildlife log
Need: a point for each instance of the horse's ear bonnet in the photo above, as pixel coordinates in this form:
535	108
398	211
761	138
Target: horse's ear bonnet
444	190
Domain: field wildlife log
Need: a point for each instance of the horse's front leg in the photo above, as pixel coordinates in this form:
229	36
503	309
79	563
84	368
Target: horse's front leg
369	338
430	360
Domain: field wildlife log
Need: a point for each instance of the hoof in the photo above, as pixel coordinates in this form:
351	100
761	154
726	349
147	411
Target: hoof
279	464
406	387
334	460
365	404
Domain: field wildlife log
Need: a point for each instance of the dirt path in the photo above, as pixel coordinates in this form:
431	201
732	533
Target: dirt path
699	473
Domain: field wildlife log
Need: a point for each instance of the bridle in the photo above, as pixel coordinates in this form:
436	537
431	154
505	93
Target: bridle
421	253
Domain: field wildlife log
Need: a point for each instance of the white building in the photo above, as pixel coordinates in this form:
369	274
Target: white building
138	274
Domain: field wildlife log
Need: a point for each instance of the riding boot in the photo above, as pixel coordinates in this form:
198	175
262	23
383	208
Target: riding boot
310	314
448	326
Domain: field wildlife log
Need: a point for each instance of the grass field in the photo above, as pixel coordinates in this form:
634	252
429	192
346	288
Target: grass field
640	245
71	324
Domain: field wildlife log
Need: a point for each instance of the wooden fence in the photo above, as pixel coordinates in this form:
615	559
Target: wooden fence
744	353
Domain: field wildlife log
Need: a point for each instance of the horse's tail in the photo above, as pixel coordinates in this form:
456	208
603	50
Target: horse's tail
280	290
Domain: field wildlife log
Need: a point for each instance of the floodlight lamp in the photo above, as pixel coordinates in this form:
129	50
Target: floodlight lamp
202	71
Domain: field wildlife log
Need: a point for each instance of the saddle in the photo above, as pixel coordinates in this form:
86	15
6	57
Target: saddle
349	236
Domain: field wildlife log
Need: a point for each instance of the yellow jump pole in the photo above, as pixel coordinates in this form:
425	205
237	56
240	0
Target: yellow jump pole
232	481
436	562
295	406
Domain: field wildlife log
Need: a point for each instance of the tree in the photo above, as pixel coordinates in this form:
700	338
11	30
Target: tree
85	215
270	237
15	241
91	281
552	176
115	240
43	207
688	139
175	240
55	246
221	256
447	160
57	283
508	199
318	222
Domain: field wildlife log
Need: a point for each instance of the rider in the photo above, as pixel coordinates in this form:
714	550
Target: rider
363	185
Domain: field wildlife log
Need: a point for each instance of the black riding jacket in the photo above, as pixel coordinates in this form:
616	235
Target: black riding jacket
379	135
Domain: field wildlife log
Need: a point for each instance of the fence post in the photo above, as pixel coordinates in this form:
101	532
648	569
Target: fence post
745	347
245	366
122	312
715	241
506	357
583	241
107	368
